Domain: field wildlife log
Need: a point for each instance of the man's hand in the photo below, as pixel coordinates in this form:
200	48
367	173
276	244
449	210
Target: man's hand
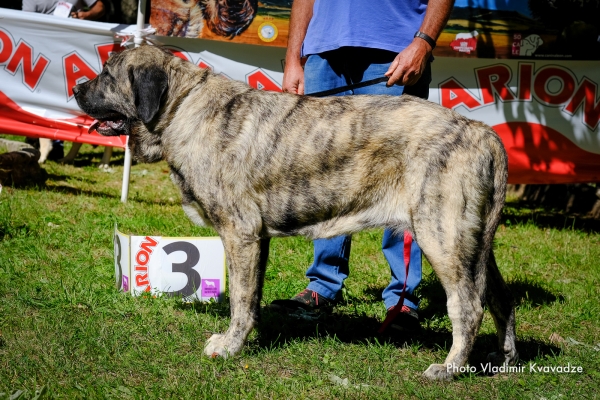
96	11
293	73
293	79
409	64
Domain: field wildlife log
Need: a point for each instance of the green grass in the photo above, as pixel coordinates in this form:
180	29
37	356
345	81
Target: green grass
65	328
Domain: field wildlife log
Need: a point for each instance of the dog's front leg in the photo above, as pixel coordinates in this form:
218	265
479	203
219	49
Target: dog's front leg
246	265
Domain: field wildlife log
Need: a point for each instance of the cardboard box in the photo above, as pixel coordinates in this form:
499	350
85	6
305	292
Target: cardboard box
192	268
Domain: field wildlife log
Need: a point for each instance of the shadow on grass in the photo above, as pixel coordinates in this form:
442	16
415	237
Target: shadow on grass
523	291
58	188
547	218
275	330
88	158
91	159
75	191
219	309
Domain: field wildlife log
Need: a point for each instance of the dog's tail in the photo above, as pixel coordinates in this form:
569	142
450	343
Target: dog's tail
498	167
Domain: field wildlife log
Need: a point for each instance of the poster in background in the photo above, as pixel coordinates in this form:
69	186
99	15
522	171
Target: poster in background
513	29
264	22
520	29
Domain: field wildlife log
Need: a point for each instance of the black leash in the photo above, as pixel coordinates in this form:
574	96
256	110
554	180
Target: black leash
349	87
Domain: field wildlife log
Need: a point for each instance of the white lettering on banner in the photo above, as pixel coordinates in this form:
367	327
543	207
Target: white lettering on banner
21	55
551	85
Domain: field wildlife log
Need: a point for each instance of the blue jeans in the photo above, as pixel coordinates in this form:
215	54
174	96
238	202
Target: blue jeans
335	69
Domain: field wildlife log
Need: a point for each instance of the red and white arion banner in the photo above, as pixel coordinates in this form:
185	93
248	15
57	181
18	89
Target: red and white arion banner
546	112
43	56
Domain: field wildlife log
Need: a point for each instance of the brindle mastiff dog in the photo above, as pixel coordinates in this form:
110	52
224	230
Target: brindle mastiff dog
256	164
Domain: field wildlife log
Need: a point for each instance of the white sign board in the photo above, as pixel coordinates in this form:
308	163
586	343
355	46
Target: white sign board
190	268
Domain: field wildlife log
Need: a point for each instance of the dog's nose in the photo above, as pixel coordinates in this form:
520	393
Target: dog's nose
75	90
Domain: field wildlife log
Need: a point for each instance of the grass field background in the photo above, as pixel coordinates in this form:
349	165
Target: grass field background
66	331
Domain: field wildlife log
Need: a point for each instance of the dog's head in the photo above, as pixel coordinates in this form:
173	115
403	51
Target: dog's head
125	98
130	88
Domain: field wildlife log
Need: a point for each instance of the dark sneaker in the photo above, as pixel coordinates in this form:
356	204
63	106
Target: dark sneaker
307	300
57	152
407	320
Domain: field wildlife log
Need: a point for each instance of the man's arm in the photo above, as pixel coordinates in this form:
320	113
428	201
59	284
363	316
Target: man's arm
95	12
410	63
293	74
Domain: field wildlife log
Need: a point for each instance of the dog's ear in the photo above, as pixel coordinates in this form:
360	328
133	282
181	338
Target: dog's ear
148	84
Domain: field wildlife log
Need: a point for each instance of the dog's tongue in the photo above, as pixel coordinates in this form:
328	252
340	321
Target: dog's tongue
115	125
93	126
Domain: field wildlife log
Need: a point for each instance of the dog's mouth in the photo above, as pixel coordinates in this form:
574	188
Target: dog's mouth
111	126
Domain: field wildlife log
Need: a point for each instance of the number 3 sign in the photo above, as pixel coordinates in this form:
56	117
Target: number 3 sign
191	268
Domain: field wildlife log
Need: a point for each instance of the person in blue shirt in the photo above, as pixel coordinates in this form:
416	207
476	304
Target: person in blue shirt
344	42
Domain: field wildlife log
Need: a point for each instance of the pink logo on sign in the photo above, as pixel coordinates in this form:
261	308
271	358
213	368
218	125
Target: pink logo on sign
125	283
211	287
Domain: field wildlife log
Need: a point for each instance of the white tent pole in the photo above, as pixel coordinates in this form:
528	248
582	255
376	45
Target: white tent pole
126	172
140	23
138	39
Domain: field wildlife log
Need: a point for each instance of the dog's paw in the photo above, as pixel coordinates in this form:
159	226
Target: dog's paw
438	372
498	358
216	346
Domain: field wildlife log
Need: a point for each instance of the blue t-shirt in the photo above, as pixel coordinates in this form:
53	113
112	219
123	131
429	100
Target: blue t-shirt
378	24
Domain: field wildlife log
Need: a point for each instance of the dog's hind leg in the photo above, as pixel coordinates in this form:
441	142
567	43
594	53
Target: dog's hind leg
501	305
465	307
246	265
